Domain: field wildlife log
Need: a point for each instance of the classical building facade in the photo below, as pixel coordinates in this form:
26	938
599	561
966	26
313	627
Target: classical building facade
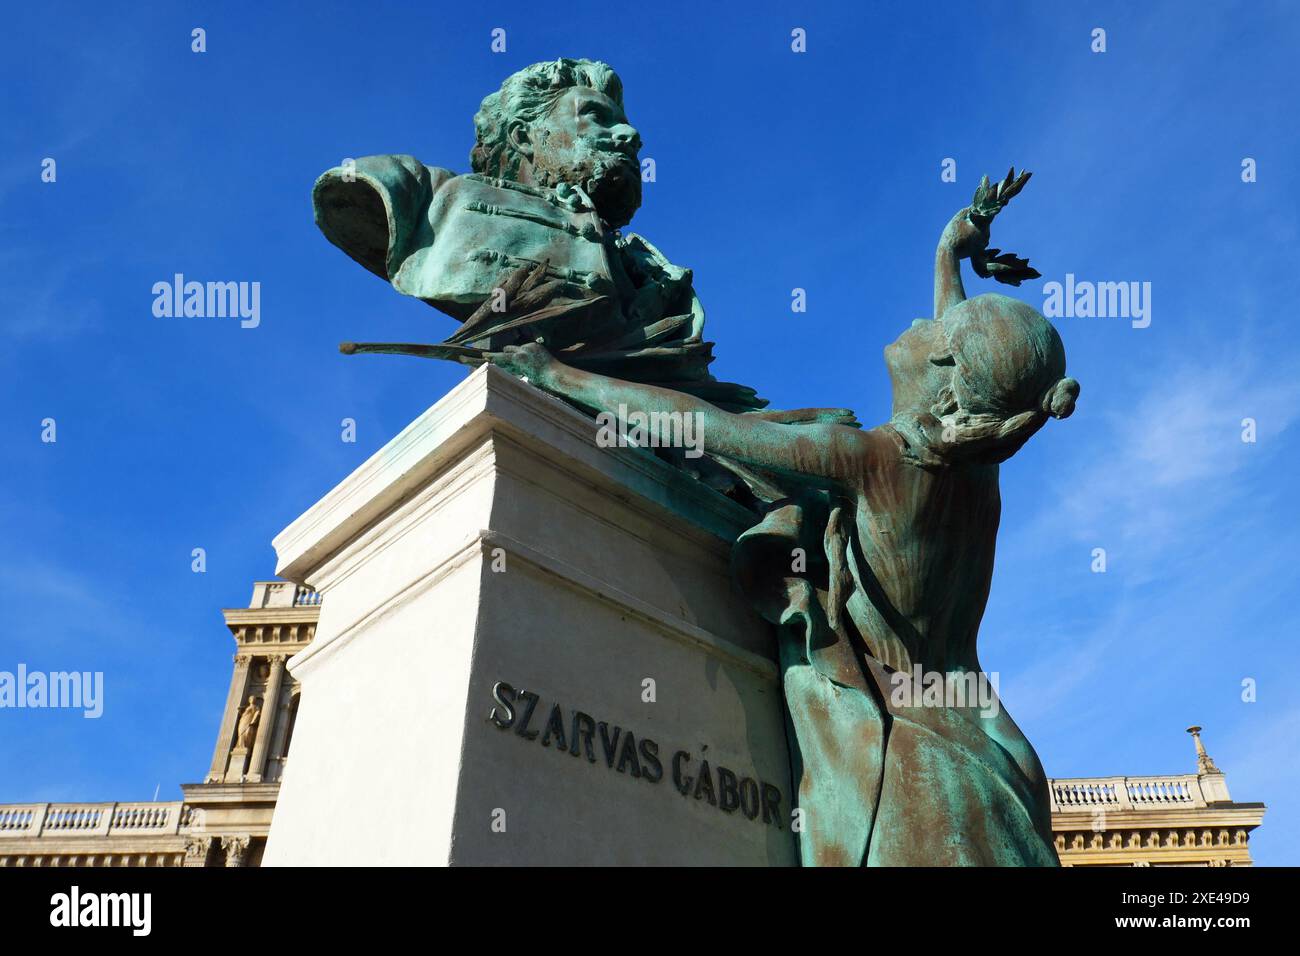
1182	820
1175	820
222	821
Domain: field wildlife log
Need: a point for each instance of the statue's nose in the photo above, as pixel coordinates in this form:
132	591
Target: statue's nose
626	137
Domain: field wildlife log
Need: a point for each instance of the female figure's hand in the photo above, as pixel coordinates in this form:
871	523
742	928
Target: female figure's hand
967	234
530	361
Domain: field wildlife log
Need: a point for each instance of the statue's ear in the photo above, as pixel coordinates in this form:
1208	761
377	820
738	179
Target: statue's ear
520	138
944	358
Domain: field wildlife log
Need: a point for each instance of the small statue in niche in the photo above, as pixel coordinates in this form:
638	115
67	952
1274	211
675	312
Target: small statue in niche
248	720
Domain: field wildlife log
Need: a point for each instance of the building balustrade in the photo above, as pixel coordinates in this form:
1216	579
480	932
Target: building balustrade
1127	793
92	819
305	596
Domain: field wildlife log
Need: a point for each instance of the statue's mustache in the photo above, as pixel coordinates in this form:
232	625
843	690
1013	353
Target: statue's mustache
614	170
614	156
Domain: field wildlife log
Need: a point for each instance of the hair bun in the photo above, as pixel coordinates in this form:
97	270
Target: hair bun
1058	401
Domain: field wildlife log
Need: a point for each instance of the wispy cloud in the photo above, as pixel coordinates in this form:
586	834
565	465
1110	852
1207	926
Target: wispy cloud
44	303
1188	516
1166	469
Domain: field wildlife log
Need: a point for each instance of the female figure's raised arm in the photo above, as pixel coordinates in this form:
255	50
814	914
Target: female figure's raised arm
967	237
822	450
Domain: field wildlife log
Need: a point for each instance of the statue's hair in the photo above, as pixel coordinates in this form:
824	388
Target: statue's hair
527	96
1008	378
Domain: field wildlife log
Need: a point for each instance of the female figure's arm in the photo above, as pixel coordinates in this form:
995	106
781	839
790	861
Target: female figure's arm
956	242
821	450
967	237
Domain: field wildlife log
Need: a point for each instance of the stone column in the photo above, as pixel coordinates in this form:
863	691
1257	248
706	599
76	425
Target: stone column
270	711
196	851
236	849
238	684
274	769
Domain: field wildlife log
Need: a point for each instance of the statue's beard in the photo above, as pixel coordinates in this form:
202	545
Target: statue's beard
611	178
615	187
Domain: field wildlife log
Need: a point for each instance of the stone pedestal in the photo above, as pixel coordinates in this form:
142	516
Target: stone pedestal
529	652
237	766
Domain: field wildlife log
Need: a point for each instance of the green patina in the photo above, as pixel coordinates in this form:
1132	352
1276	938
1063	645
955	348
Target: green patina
872	549
527	247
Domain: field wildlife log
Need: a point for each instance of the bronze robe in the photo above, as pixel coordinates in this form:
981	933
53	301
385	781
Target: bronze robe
897	574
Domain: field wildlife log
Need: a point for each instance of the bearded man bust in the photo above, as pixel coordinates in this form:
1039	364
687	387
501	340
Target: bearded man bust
527	246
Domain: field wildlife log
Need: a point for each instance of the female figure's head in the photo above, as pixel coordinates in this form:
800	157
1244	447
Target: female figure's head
982	379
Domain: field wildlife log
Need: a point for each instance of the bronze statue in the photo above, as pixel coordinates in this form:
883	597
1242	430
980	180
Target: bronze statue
527	245
872	550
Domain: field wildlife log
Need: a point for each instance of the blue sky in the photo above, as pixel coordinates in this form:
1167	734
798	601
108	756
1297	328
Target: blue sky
775	170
